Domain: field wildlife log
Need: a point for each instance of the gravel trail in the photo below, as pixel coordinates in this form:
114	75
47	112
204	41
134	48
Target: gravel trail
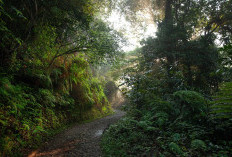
78	141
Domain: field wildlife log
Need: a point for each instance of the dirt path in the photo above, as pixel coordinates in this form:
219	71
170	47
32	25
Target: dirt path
80	140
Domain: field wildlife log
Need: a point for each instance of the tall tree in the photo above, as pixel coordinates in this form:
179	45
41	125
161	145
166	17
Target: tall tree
180	50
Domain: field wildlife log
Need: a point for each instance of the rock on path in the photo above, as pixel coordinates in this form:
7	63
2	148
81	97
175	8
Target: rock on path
78	141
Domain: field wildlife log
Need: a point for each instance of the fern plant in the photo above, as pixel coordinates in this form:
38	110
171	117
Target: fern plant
191	105
222	104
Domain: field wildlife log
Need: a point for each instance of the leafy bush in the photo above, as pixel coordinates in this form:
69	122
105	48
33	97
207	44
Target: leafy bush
198	145
127	138
175	148
191	105
87	91
25	115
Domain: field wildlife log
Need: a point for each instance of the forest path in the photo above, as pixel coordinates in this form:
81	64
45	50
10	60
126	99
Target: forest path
80	140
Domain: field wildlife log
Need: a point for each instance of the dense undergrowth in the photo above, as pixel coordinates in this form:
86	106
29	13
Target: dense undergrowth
179	120
29	113
184	125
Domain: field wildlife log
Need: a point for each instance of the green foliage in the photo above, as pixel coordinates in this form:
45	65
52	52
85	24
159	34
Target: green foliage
172	128
225	60
47	49
190	98
87	90
104	43
226	53
28	110
191	105
198	145
122	139
7	37
43	48
171	80
222	103
24	115
27	114
175	148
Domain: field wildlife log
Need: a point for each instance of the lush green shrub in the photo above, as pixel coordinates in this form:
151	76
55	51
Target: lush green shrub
191	105
175	148
198	145
127	138
25	114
